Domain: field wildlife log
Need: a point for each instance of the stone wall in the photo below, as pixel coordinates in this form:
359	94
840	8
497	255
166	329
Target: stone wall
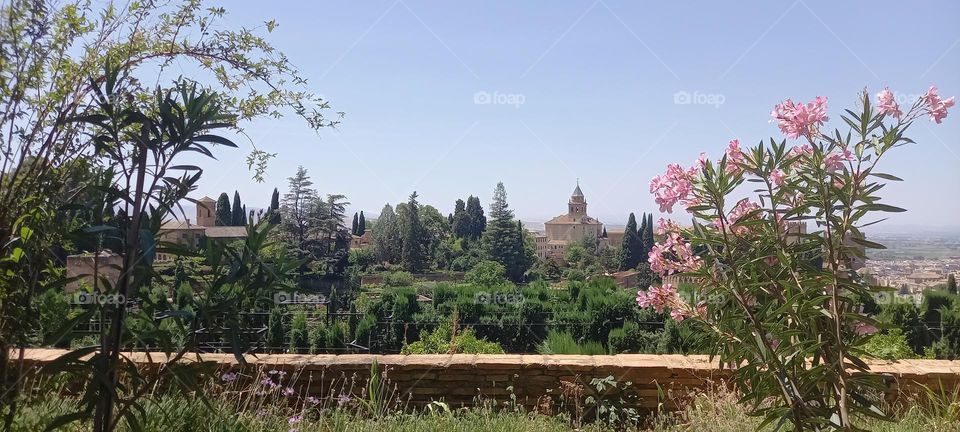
461	378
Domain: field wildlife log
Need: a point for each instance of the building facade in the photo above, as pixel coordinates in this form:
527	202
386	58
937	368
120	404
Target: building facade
186	233
574	226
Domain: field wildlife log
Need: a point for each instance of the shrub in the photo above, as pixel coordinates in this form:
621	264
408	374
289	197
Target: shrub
891	345
398	279
487	274
276	330
783	298
319	337
563	343
442	341
299	338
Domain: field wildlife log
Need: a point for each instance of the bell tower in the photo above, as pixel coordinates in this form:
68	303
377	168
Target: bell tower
577	206
205	212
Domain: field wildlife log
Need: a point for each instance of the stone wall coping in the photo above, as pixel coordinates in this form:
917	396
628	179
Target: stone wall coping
572	363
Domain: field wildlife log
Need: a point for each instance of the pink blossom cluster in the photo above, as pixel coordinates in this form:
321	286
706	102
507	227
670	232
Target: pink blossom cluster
798	119
738	211
664	298
777	177
937	107
665	226
887	103
674	186
674	255
734	157
834	161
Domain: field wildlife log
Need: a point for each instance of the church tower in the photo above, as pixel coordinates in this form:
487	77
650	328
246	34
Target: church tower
577	206
205	212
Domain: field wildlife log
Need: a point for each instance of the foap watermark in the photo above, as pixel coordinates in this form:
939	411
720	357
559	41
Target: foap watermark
496	98
499	298
96	298
283	297
684	97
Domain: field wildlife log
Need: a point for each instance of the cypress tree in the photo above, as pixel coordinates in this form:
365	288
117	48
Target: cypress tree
224	215
243	216
461	224
952	284
237	215
412	255
361	224
477	221
356	223
631	248
275	207
647	237
604	232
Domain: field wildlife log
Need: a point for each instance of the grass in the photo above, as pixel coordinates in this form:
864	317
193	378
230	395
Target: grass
259	403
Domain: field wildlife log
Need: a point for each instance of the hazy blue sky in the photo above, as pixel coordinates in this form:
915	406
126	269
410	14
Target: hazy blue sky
586	89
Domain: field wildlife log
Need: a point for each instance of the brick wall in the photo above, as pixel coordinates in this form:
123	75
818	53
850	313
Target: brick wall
459	379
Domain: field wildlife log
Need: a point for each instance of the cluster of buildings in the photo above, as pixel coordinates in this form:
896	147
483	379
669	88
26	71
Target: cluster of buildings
910	277
571	228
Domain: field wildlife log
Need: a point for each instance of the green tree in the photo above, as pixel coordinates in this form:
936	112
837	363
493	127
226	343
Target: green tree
329	241
413	255
477	221
361	224
238	214
646	237
504	240
59	50
386	236
952	284
460	223
274	209
223	212
298	202
631	247
486	274
356	224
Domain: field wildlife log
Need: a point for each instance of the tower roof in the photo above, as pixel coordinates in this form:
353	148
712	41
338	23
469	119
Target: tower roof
577	192
206	198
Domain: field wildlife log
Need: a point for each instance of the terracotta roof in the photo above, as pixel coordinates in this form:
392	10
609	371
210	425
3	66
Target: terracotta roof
179	225
572	220
226	232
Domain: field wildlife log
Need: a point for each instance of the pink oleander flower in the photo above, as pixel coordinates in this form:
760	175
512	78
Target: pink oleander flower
937	107
863	329
665	226
834	161
674	255
734	157
796	120
887	103
664	298
777	177
738	211
802	149
674	186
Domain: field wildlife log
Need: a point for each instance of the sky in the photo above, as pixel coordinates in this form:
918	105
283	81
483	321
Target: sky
449	98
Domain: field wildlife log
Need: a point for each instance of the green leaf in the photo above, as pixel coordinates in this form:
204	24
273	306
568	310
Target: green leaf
887	176
881	207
